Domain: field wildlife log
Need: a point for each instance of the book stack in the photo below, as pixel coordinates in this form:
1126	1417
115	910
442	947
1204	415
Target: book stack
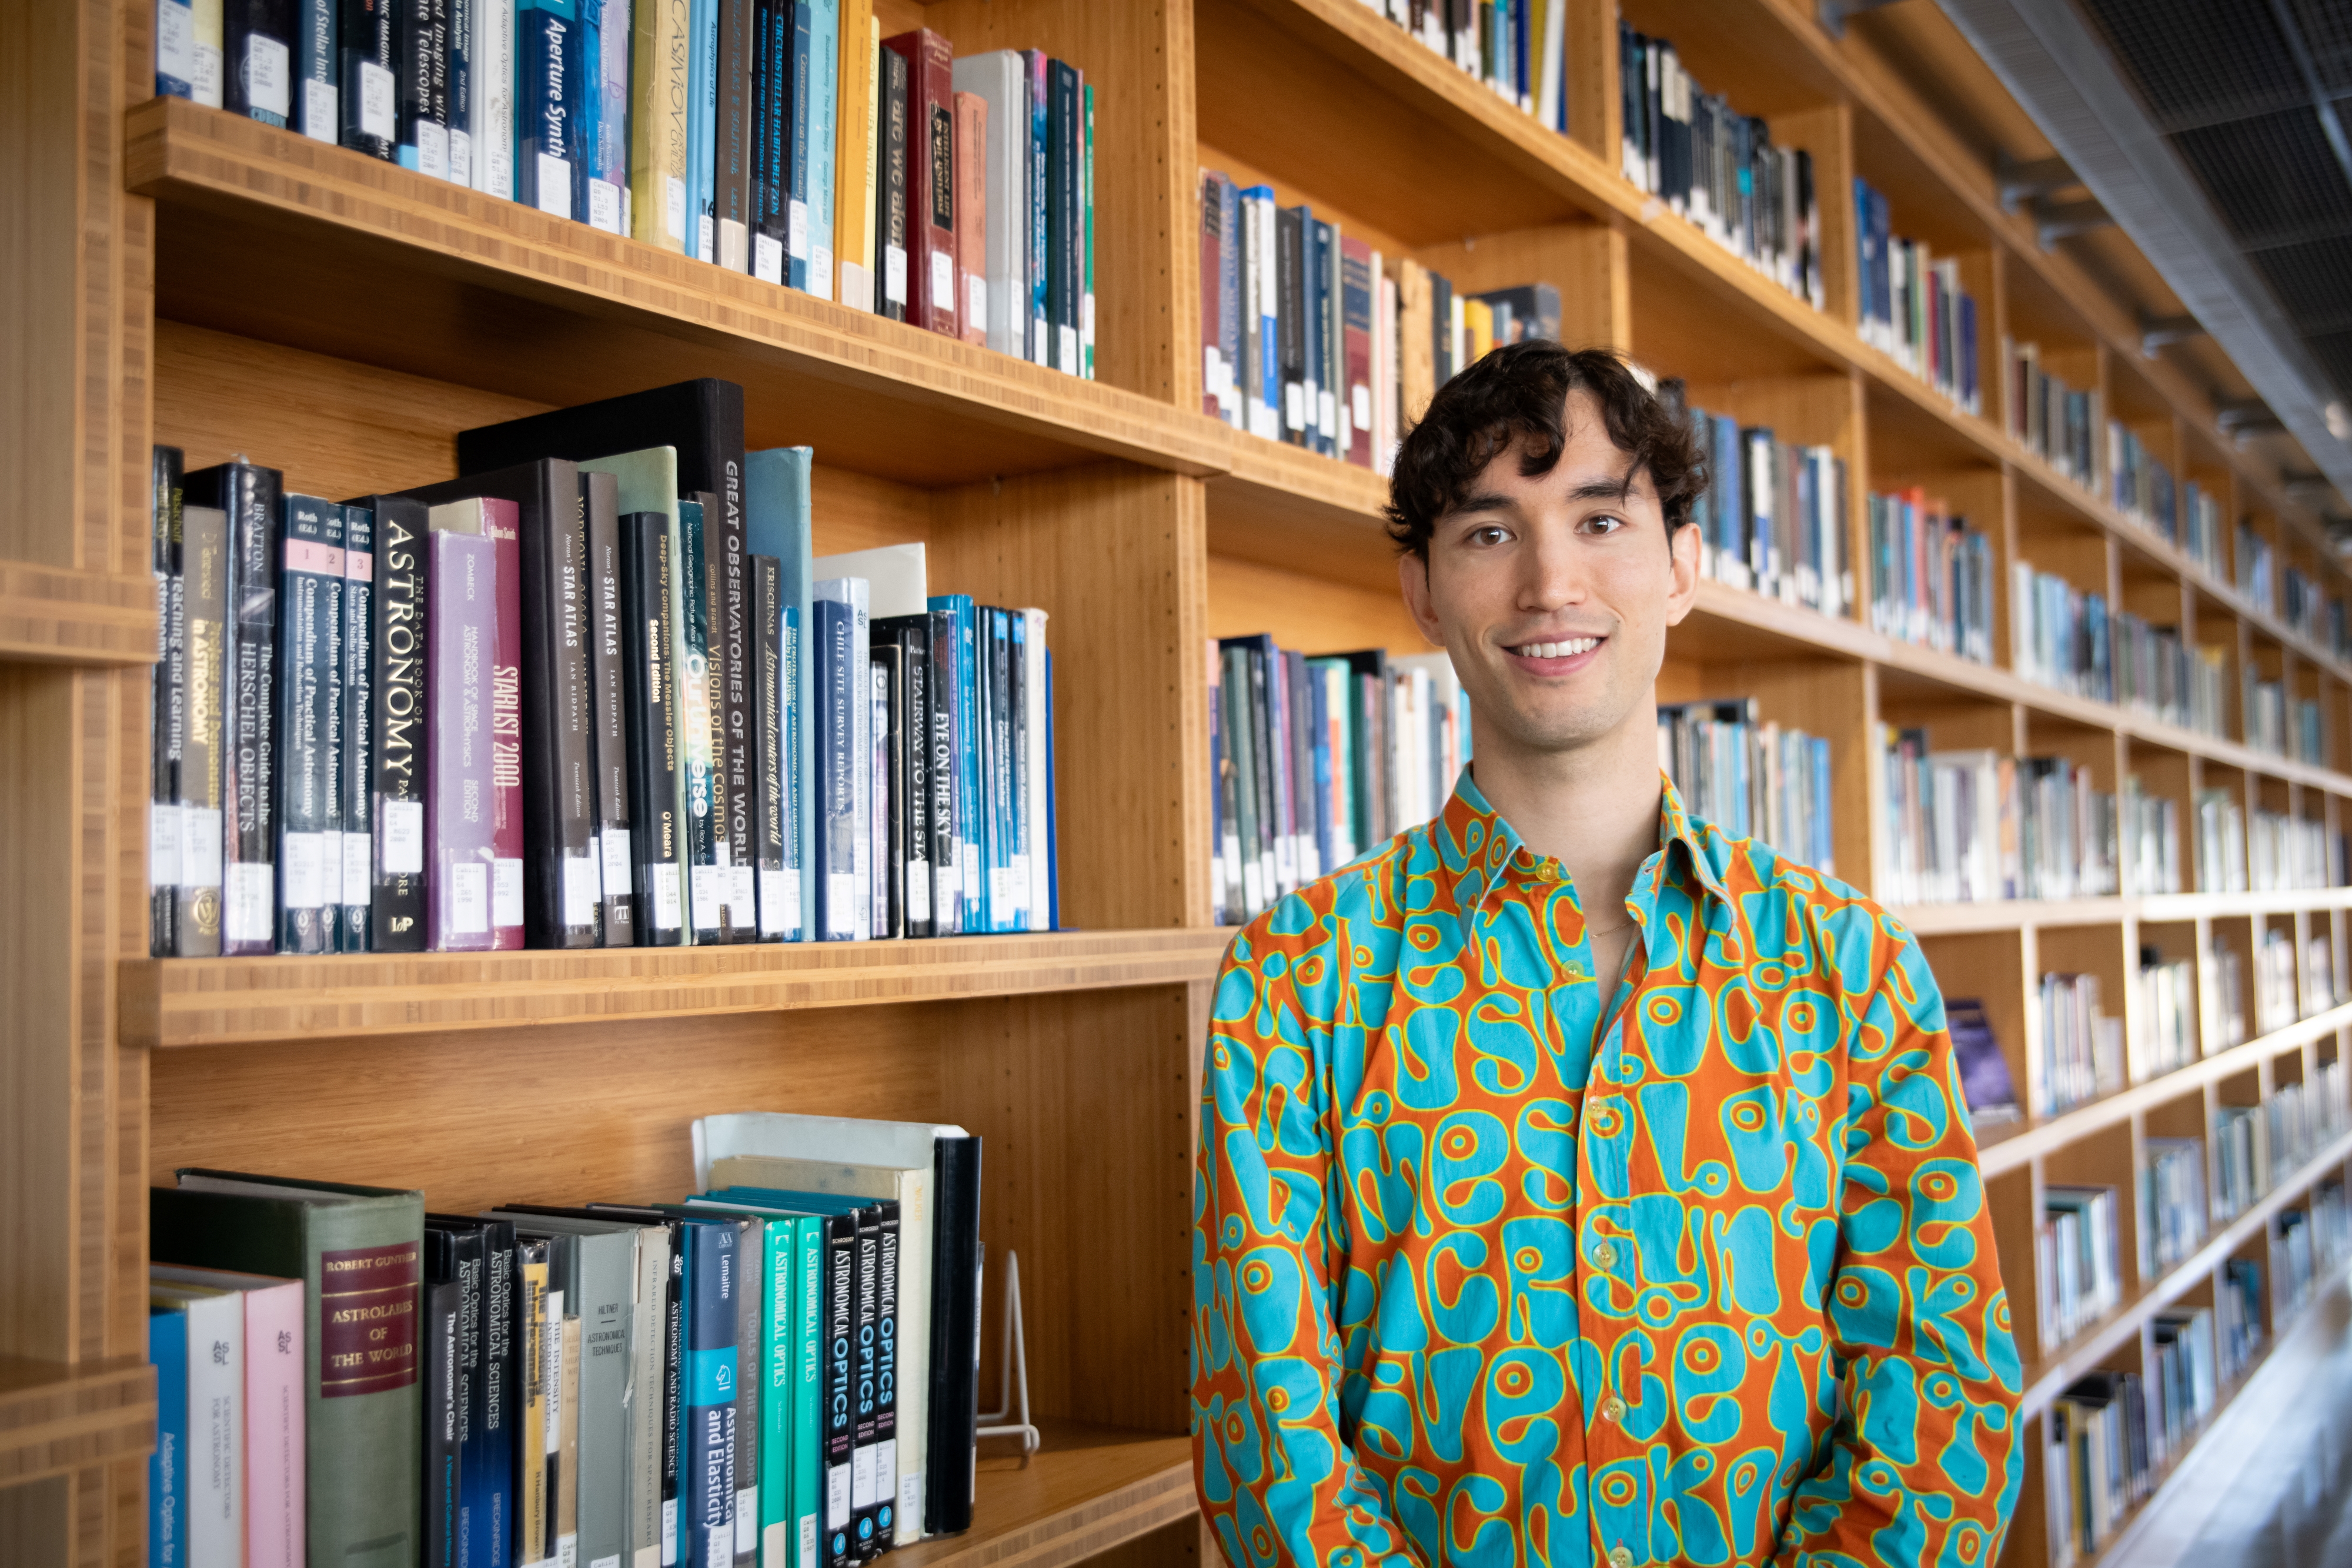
2185	1378
2140	485
2150	826
596	693
2229	972
1972	826
2276	1004
2078	1271
2167	1036
1773	517
1931	575
2202	535
2049	418
1913	307
1717	167
1750	778
2286	853
2157	674
2220	843
2099	1461
2082	1046
1518	51
2059	638
790	141
1986	1084
2238	1316
1299	327
1317	761
779	1371
2174	1193
2237	1171
2253	577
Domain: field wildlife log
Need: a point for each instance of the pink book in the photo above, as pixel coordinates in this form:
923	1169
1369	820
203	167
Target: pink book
275	1518
502	521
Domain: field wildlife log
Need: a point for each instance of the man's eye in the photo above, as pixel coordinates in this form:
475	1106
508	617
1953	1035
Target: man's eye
1604	524
1489	535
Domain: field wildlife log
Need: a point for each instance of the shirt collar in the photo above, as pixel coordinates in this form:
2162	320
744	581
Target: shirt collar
1474	845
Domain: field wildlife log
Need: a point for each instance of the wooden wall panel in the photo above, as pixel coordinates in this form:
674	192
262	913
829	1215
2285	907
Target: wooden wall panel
1309	614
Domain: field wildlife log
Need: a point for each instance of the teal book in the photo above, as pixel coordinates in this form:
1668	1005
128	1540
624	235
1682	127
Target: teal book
777	515
791	1464
167	1467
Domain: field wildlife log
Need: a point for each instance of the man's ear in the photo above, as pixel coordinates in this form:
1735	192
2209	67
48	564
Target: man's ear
1682	590
1412	576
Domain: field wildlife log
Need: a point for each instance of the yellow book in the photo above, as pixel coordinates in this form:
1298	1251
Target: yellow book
530	1468
657	124
853	145
1478	317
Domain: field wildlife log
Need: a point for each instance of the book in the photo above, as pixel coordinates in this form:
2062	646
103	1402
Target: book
910	639
894	132
775	121
707	1480
858	51
1985	1082
215	1396
601	169
777	524
459	835
167	705
733	709
1064	266
270	1411
657	130
609	709
532	1390
930	221
490	101
203	614
834	797
971	173
187	65
731	134
357	1252
458	1250
779	898
820	145
443	1338
999	80
397	763
309	812
421	34
257	45
702	420
701	109
1037	766
355	759
549	88
250	496
656	842
457	90
699	790
168	1465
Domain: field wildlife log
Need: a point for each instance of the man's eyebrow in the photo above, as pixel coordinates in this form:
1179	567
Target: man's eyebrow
1603	489
1486	501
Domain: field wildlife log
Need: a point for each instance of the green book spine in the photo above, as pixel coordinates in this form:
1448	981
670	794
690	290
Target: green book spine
808	1413
778	1346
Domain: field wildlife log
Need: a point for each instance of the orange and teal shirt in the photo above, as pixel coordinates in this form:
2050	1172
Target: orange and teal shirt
1485	1279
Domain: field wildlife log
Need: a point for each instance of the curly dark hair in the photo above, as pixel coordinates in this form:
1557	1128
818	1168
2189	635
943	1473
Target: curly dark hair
1518	394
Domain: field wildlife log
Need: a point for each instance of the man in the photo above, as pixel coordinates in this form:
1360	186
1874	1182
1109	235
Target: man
1579	1186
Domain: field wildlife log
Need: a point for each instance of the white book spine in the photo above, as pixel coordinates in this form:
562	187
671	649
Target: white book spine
493	100
216	1431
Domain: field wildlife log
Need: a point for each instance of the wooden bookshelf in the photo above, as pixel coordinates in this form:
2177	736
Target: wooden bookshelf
192	278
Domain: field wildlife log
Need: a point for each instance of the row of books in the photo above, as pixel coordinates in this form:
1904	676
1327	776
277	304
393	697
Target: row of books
1975	825
1718	168
2303	1117
2240	1175
2312	1241
1751	778
2311	611
2168	1036
779	1371
1773	517
2277	999
2083	1056
1317	760
1912	307
2221	841
2281	726
2139	484
2150	829
596	692
2173	1208
791	142
2253	567
2184	1379
2099	1459
2159	674
2288	853
2059	638
1517	49
1931	575
2077	1261
2057	423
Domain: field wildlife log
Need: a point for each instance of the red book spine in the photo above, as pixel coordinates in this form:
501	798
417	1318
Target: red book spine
1213	241
502	520
1355	306
972	213
930	180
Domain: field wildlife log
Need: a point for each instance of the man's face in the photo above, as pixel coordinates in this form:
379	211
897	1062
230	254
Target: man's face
1553	593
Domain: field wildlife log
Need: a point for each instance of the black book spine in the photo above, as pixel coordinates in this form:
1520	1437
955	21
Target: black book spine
501	1404
1063	134
732	707
864	1545
886	1379
396	817
468	1264
891	194
838	1391
257	59
422	40
889	794
910	764
251	497
356	774
950	1444
367	76
203	588
608	727
731	135
673	1392
560	880
772	103
1290	318
166	821
947	891
310	658
444	1412
767	642
652	720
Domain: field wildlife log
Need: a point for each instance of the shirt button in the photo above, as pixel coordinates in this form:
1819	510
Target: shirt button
1605	1255
1612	1408
1620	1557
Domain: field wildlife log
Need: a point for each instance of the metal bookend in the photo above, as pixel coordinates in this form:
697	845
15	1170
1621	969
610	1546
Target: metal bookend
1016	1362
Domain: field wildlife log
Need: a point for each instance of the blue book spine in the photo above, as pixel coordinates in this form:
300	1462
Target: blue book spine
1016	798
461	89
317	111
580	148
836	793
1054	815
1311	309
608	192
548	85
1319	718
772	66
707	1462
1039	350
825	112
701	128
951	668
800	137
167	1467
999	780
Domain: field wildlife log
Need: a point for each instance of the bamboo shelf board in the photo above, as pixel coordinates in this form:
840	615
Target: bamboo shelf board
2017	1144
56	1417
171	1002
274	236
58	615
1087	1489
2047	1378
2017	914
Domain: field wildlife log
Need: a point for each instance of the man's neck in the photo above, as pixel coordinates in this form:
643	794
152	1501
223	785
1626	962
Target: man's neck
1594	808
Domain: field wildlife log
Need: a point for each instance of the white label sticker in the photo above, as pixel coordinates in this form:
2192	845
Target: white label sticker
674	190
837	1497
894	274
1037	338
605	205
747	1521
461	158
1294	405
774	921
303	853
506	893
469	903
163	824
403	838
820	271
612	1561
554	185
942	295
767	259
1069	340
615	843
248	896
359	868
861	1477
808	1537
999	892
975	300
706	239
376	118
741	906
176	40
1360	405
269	81
885	1471
584	884
919	890
1328	408
433	149
208	77
717	1546
666	913
796	230
670	1532
840	906
709	890
200	846
910	1504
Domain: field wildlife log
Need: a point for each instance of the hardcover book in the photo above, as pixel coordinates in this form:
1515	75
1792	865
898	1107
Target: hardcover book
203	600
250	497
398	748
777	524
355	763
257	45
1000	80
731	135
608	702
656	840
657	133
460	839
893	218
421	36
970	176
550	83
168	710
931	179
310	712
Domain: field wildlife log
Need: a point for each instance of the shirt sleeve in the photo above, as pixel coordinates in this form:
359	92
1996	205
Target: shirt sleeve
1278	1481
1924	1462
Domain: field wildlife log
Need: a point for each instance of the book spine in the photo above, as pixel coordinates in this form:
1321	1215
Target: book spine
734	709
824	52
888	877
706	1489
562	884
839	1392
490	105
1015	805
175	77
356	770
1063	217
890	193
731	135
651	698
204	555
1213	244
400	753
167	1466
549	86
675	1368
779	1350
940	760
531	1389
466	1254
444	1423
1085	232
836	801
168	730
257	41
490	1526
771	123
861	717
250	496
888	1528
808	1413
911	783
502	526
1036	711
1000	785
969	176
216	1431
608	724
1040	183
865	1387
931	179
751	1361
779	902
690	673
799	777
972	719
310	611
608	167
423	41
458	90
657	115
459	834
315	107
702	109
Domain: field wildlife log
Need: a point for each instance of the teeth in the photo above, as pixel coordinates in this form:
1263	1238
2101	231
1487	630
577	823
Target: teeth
1563	650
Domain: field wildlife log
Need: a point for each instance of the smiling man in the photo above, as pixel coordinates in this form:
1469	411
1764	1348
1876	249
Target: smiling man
1579	1185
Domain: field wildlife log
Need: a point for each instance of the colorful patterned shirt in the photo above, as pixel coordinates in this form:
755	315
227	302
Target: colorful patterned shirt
1482	1279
